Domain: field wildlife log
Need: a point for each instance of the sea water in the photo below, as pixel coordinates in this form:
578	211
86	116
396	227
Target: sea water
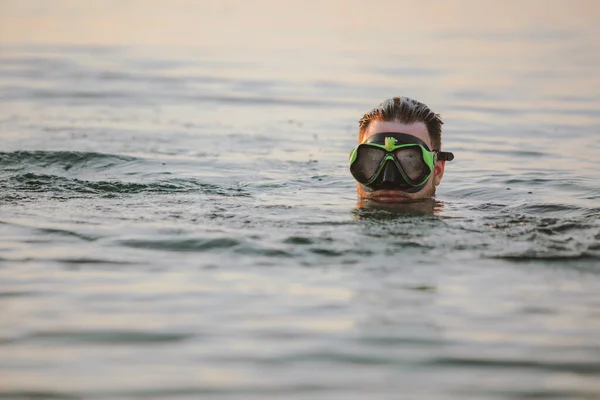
177	218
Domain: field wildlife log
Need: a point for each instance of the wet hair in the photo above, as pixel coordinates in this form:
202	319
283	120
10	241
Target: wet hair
406	111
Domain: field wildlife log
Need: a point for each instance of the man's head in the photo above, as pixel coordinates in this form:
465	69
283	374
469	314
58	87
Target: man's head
422	126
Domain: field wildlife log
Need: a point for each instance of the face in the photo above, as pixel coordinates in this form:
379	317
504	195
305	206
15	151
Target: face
418	130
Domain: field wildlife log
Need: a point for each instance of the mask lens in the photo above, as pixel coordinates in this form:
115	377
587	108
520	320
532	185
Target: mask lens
368	160
411	160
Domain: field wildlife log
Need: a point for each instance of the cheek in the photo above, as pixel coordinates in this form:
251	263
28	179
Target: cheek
433	184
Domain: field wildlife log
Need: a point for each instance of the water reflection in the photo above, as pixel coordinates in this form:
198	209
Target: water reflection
373	210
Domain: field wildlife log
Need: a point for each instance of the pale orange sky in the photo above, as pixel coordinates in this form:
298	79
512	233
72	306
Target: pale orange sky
276	23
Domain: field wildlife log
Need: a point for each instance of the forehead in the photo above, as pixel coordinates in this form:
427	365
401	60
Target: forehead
417	129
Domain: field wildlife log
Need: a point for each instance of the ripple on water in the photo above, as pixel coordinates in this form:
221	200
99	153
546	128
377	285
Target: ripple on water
66	160
583	367
61	173
547	239
38	394
182	245
69	187
104	337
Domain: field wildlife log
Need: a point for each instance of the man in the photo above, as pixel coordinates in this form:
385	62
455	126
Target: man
399	157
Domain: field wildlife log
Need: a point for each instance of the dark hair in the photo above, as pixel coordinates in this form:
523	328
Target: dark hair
406	111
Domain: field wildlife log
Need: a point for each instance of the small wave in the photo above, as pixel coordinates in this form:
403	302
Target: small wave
546	255
517	153
321	251
545	209
266	252
16	293
591	368
32	182
298	240
72	262
108	336
67	233
185	245
206	245
81	261
37	394
561	227
196	392
23	160
549	233
545	394
489	207
85	97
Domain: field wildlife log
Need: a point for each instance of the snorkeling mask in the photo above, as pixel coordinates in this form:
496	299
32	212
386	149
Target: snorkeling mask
394	161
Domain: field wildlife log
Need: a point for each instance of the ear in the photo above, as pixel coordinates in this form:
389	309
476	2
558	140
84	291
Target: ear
438	172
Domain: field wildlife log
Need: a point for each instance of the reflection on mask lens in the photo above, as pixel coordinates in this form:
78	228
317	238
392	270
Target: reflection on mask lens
368	161
411	160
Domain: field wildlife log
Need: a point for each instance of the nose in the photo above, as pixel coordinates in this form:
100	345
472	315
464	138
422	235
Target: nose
390	173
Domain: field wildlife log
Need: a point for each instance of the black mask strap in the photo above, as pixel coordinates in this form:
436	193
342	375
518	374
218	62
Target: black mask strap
445	156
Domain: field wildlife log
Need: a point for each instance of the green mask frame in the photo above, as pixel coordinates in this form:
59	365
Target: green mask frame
389	146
